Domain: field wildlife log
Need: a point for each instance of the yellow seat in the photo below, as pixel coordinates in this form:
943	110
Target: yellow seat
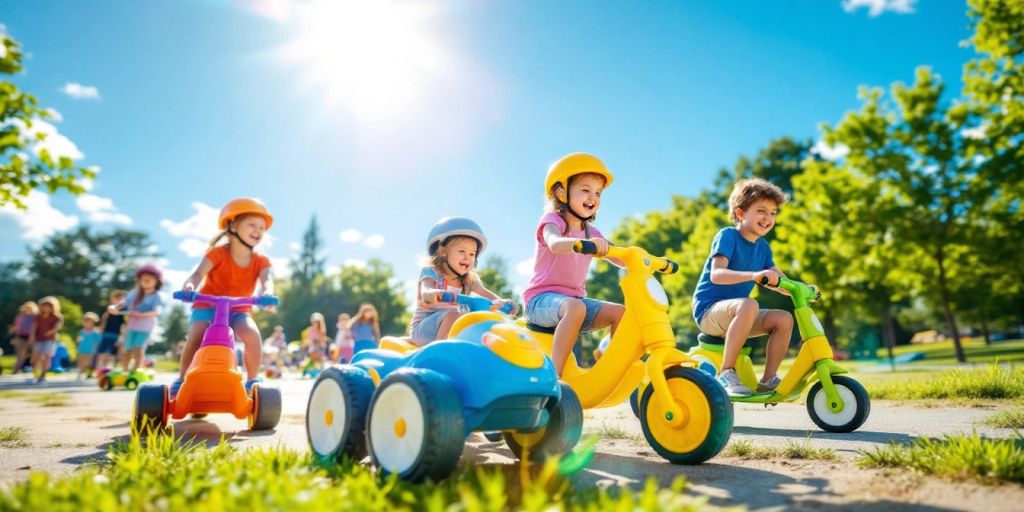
400	345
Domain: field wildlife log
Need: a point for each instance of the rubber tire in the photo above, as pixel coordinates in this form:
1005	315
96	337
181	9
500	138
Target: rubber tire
108	384
863	402
563	431
131	384
444	432
148	412
721	417
266	408
634	402
356	390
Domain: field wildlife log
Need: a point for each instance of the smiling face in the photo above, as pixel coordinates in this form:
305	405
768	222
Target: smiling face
250	228
147	281
759	217
585	193
461	254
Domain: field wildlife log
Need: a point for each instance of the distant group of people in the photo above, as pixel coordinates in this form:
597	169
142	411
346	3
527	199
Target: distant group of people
352	335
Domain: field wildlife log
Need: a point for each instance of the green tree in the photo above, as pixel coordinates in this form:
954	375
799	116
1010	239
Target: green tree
175	326
72	314
14	291
83	266
26	163
493	273
377	285
309	264
778	163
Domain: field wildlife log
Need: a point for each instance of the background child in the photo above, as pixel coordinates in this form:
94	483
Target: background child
22	329
43	338
232	270
315	342
88	341
142	305
344	343
365	327
110	327
556	296
740	257
454	245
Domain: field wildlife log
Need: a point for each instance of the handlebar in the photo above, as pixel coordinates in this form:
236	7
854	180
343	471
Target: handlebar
799	291
475	303
192	296
627	254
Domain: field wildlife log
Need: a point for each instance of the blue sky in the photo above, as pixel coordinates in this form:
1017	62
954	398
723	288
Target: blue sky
381	117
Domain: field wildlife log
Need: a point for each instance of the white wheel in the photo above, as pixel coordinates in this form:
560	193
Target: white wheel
327	414
856	405
336	414
396	428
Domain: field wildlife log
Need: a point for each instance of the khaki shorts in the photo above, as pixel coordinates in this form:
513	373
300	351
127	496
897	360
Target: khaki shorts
717	318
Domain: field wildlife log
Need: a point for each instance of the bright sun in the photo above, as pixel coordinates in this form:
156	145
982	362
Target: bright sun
373	58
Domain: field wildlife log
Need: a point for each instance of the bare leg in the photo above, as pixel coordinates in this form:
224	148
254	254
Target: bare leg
446	324
195	335
739	330
780	326
609	316
135	359
250	336
570	319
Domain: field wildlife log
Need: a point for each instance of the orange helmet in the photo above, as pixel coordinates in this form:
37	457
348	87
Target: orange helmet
573	164
244	206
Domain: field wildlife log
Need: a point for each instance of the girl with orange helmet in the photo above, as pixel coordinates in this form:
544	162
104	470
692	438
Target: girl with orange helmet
231	269
142	306
556	296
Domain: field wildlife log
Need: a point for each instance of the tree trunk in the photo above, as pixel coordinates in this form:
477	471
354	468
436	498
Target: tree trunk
830	329
948	310
984	328
889	332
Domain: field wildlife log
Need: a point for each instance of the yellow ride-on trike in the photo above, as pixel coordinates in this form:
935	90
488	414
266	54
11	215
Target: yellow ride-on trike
685	414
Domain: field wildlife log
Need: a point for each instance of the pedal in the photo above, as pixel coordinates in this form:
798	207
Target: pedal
766	404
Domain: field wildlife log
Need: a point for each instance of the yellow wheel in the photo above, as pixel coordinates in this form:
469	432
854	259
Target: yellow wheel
706	422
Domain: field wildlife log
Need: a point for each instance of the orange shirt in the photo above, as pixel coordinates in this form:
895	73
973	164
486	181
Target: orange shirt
227	279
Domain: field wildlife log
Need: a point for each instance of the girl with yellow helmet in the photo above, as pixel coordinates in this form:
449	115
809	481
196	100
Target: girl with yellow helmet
231	269
556	296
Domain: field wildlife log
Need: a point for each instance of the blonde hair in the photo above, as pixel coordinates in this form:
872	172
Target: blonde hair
53	303
224	232
748	192
439	261
318	320
32	307
560	207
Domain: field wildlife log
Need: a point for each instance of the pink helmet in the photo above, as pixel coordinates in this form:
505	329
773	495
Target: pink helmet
153	271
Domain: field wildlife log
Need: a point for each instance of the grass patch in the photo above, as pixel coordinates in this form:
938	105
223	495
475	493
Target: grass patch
746	449
44	399
1010	418
975	350
960	456
610	431
166	365
13	437
161	473
991	383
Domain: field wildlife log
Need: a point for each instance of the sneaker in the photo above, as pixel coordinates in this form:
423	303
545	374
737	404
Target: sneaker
767	386
250	382
732	383
175	387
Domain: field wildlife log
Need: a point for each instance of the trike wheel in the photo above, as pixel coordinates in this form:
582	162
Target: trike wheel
856	405
336	413
634	402
563	431
131	384
149	412
266	408
706	423
416	429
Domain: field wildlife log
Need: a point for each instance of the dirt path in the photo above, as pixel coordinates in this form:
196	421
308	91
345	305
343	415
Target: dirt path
59	439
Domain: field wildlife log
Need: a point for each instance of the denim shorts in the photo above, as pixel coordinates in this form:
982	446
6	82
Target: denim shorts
45	347
135	339
543	309
206	315
426	330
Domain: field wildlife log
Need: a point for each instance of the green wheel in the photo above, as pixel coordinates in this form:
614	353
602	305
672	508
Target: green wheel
563	431
706	423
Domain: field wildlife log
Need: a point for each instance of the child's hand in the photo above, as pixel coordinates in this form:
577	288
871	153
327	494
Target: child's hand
270	308
772	275
602	245
112	309
188	287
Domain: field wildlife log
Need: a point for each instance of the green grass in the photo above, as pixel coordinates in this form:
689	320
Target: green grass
13	437
1010	418
44	399
975	350
961	457
609	431
161	473
166	365
746	449
992	383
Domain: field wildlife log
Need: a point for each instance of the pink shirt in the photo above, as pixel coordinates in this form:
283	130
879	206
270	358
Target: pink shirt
559	273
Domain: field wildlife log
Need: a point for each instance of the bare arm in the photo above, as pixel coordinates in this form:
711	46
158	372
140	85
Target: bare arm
52	333
721	274
481	290
266	281
193	280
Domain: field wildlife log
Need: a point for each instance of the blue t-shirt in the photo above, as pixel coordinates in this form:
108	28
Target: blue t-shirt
743	255
150	302
363	331
90	340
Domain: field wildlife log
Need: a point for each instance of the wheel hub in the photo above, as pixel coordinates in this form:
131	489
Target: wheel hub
400	427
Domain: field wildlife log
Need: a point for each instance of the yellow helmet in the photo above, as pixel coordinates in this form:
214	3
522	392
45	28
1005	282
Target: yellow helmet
571	165
244	206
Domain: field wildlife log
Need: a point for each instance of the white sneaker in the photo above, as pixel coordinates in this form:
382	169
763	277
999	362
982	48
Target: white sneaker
732	383
767	386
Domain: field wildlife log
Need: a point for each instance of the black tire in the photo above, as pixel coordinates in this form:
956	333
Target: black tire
563	431
108	384
148	412
634	402
131	384
266	408
101	381
707	423
847	420
341	395
422	410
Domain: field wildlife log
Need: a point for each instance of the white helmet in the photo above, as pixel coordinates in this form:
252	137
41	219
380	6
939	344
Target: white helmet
454	226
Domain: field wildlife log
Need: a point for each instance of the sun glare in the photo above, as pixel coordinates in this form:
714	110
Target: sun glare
373	58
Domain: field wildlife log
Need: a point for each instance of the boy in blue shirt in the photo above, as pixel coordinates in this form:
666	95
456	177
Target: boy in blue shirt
739	258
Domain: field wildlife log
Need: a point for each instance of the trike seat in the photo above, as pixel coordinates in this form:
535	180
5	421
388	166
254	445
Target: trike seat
536	328
708	339
400	345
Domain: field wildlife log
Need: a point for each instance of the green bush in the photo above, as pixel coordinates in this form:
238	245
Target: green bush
960	456
991	383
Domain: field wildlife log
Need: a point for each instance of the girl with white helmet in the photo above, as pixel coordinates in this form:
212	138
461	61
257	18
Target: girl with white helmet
556	296
454	245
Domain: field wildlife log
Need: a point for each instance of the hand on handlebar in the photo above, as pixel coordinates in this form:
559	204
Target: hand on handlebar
601	244
768	277
505	305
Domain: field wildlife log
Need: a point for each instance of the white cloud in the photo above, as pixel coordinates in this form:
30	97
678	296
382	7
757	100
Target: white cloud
196	231
525	267
354	263
193	247
374	241
101	209
81	92
39	219
280	268
51	140
878	7
295	246
827	152
351	236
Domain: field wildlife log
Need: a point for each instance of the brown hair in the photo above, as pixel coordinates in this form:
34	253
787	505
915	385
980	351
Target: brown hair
439	260
224	232
358	318
52	302
560	207
747	192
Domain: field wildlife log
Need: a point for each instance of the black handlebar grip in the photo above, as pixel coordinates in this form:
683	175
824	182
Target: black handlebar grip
586	247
